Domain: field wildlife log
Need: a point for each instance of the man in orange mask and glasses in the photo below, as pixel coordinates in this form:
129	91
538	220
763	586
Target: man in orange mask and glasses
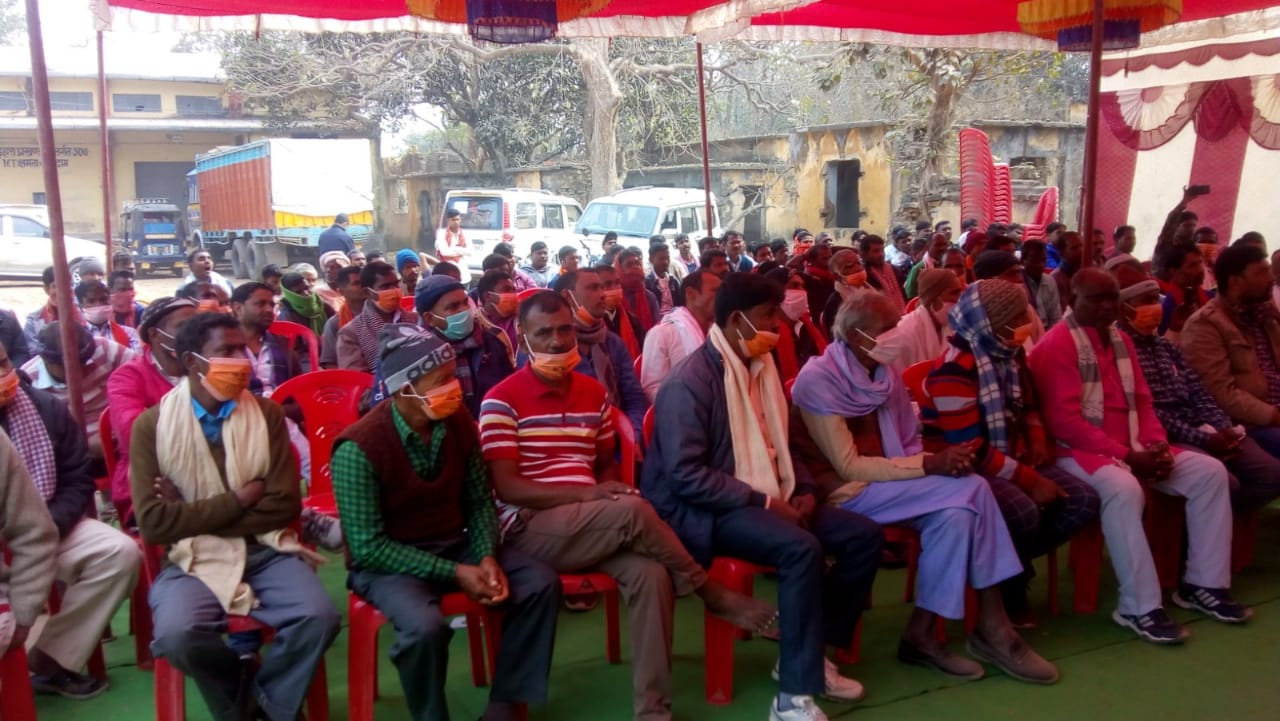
215	481
358	340
1186	409
417	507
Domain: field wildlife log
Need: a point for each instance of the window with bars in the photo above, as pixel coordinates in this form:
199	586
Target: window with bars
135	103
199	106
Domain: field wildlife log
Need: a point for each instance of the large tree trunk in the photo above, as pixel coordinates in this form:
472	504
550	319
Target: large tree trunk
600	123
380	208
941	119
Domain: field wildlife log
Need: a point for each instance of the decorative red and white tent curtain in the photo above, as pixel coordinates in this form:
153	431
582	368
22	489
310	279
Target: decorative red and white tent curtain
1218	125
925	23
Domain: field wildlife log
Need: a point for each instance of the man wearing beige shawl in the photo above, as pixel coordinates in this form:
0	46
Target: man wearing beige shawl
215	480
719	471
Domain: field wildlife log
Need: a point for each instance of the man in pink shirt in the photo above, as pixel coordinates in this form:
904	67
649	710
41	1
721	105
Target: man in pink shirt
1098	406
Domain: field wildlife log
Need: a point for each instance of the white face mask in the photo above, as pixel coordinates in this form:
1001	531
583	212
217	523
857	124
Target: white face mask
96	314
878	353
796	303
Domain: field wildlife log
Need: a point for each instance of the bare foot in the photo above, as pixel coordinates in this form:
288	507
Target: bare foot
741	610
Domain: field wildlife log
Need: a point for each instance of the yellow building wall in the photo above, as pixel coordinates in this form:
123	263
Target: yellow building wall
79	177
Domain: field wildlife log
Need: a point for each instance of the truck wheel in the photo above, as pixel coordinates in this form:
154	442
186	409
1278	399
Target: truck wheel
265	254
242	257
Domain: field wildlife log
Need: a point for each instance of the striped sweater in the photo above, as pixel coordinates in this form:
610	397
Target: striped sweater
554	435
952	414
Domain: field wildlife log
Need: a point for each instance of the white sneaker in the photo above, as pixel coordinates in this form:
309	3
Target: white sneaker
804	709
836	687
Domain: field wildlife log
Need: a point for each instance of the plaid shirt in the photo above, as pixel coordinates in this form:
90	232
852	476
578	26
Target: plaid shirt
355	485
1179	398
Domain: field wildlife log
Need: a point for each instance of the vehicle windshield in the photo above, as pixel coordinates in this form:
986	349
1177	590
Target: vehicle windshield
479	212
633	220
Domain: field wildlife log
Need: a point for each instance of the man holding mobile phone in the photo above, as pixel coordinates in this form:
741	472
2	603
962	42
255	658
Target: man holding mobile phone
1179	228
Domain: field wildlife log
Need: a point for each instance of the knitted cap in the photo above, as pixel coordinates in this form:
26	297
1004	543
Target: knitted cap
91	264
431	289
50	338
991	263
1004	302
407	352
1133	281
932	283
404	257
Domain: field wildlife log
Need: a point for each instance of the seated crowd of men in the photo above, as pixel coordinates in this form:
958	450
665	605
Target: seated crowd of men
1059	391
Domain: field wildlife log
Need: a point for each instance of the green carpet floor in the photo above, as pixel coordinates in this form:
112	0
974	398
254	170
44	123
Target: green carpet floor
1221	674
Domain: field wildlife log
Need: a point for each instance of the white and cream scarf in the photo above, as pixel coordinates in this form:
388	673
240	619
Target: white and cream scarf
185	458
766	467
1092	401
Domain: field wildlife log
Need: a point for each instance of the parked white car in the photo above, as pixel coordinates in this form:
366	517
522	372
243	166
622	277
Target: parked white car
519	216
25	247
637	214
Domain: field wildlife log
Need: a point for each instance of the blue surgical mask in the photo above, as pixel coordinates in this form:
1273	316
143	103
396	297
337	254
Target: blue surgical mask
460	324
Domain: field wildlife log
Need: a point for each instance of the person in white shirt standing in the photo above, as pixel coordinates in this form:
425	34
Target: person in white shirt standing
452	246
681	332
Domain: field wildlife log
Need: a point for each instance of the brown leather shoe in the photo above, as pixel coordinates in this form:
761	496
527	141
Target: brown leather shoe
1020	661
940	659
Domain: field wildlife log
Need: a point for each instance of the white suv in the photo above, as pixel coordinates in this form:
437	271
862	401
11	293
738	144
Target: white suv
25	247
640	213
519	216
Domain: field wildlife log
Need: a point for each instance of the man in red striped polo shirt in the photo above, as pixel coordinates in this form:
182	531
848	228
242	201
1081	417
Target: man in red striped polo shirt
549	442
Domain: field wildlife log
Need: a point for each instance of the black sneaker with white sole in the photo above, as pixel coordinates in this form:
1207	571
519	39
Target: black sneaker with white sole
1216	603
1154	626
68	684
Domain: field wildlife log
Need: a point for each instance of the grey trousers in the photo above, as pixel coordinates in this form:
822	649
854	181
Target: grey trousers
421	650
189	624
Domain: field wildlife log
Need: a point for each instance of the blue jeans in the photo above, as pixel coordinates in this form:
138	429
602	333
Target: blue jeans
816	606
189	623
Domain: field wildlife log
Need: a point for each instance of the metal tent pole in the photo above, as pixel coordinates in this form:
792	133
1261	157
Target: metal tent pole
53	198
1088	182
706	152
104	149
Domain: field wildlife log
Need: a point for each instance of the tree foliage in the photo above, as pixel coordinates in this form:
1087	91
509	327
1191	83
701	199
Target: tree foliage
925	90
12	21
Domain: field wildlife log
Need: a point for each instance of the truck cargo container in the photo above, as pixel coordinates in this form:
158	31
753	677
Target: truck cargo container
269	200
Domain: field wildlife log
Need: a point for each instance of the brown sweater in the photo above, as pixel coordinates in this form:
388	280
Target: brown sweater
28	533
164	522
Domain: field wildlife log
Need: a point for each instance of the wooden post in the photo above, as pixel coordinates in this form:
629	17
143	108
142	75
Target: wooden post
104	150
1088	182
706	152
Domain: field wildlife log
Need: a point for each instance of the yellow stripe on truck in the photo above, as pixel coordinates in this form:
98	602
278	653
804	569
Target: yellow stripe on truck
294	220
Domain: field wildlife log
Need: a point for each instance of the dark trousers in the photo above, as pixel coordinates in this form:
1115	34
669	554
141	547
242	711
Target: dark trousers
1255	476
817	606
421	650
1036	531
189	623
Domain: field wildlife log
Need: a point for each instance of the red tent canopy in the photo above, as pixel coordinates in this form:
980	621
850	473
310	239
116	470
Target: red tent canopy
960	23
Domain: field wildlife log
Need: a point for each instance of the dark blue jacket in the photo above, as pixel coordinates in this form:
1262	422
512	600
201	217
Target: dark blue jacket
489	366
336	238
630	394
688	467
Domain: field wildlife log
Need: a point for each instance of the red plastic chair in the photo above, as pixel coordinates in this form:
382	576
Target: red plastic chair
1163	520
484	629
18	702
171	685
293	332
912	304
407	306
139	610
329	401
637	364
1244	538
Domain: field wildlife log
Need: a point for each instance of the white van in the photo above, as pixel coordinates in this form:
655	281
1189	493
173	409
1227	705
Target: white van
519	216
637	214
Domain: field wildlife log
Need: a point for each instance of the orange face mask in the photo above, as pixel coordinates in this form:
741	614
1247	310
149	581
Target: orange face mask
1020	334
555	367
1146	318
505	303
388	300
226	378
856	280
8	388
613	298
759	344
442	402
208	306
580	312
